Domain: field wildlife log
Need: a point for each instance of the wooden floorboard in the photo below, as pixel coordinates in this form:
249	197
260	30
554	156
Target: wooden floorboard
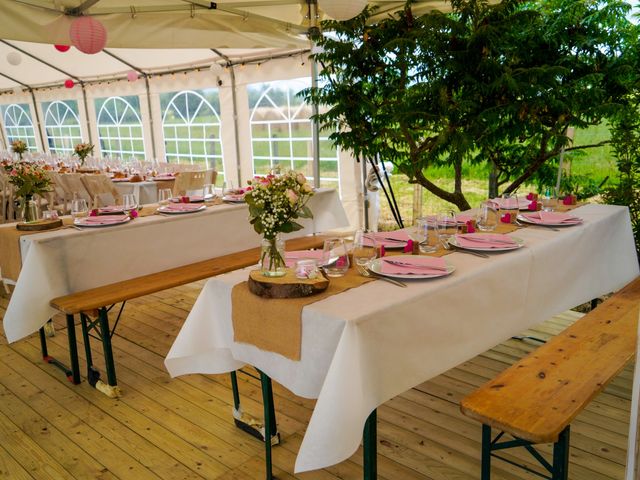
182	429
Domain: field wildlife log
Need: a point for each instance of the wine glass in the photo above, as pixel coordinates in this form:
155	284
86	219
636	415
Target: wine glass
335	258
79	208
364	249
164	196
129	202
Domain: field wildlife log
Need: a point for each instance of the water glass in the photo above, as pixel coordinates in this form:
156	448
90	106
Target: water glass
364	248
335	258
549	200
79	208
164	195
129	202
509	206
424	232
487	217
446	225
50	215
208	192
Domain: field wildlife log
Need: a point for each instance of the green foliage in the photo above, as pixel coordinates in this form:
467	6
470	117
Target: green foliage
490	84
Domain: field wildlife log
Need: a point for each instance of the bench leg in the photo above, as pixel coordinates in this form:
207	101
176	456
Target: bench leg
485	472
105	333
561	456
93	375
247	423
370	447
72	375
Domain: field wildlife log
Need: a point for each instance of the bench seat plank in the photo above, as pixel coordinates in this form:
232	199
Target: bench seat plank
536	398
88	300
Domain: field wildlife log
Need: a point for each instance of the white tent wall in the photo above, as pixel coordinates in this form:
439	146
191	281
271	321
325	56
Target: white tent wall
237	161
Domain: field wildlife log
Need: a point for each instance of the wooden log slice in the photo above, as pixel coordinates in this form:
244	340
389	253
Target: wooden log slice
288	286
39	225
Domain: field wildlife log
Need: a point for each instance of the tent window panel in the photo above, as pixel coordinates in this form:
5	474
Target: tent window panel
62	126
18	124
119	127
278	114
261	167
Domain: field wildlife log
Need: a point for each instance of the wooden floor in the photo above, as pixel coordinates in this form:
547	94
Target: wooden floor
182	428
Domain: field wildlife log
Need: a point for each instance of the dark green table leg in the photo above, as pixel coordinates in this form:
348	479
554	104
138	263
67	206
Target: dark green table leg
269	422
370	447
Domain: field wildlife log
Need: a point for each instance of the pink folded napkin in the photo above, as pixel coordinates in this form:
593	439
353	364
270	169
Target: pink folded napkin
102	220
181	207
111	209
396	239
292	257
462	218
234	197
555	218
523	203
485	240
413	265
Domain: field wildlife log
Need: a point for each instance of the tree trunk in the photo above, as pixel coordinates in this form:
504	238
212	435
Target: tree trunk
457	198
493	181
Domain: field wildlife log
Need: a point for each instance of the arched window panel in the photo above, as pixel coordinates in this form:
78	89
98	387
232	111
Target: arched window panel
62	126
281	132
192	128
18	125
120	127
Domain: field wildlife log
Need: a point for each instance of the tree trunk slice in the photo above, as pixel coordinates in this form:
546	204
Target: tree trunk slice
288	286
39	225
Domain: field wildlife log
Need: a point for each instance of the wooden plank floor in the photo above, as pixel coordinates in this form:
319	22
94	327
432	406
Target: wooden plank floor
165	428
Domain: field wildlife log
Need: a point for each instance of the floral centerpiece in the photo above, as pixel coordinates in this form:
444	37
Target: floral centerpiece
29	179
83	150
19	147
275	202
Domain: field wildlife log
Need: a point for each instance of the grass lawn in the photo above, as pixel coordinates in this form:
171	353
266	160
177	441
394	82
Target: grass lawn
594	163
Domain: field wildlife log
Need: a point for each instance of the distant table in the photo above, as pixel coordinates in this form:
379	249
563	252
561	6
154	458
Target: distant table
65	261
366	345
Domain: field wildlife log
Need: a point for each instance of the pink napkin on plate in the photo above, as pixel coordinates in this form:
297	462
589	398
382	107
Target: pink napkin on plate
181	207
292	257
415	265
110	209
397	239
485	240
554	218
523	203
234	197
102	220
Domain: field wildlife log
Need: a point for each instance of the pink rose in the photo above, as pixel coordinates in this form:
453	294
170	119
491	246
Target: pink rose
292	196
14	173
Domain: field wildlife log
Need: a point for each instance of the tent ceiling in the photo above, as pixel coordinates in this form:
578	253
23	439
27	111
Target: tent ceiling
140	32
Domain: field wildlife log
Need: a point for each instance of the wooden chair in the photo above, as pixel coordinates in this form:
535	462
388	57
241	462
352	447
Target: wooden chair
7	197
192	181
73	186
101	190
59	197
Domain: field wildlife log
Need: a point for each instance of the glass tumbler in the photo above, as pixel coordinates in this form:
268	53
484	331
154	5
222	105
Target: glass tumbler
335	257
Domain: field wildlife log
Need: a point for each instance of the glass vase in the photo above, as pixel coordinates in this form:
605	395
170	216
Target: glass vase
272	257
29	211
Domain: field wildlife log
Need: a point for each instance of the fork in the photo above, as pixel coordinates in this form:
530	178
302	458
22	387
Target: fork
365	272
448	246
412	265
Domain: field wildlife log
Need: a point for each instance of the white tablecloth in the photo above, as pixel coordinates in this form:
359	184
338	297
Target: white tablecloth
369	344
66	261
145	192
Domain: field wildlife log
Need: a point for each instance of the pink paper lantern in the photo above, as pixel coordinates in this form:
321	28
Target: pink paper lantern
62	48
88	35
132	75
68	83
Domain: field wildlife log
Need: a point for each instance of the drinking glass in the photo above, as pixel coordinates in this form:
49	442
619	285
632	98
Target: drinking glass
549	200
164	195
79	208
424	233
129	202
446	225
335	258
487	217
509	206
208	192
364	249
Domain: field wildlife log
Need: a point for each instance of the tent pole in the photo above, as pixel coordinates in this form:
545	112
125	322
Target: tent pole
86	112
151	123
45	147
234	99
315	125
2	132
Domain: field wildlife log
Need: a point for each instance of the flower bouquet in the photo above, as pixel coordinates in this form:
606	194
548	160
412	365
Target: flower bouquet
83	150
275	202
29	179
19	147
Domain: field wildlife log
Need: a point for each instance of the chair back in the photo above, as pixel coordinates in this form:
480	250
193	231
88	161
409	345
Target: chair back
72	185
101	190
189	181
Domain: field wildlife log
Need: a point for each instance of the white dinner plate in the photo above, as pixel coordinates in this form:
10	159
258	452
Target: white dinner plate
376	267
84	223
168	210
519	244
524	219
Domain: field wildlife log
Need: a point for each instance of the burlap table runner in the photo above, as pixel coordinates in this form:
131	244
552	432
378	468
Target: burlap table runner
275	324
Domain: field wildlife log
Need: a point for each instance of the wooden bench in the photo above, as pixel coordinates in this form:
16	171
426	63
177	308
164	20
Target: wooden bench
536	399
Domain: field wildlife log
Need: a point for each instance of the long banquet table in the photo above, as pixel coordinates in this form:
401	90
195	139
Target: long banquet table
65	261
371	343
